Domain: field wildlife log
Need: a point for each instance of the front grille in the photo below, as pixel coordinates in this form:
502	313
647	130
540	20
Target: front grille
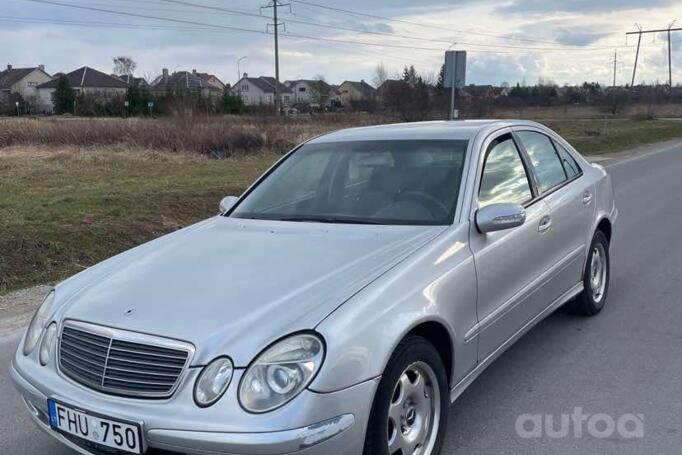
98	449
115	362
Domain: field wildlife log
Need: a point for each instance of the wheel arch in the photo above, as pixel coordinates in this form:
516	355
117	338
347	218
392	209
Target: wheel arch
606	227
440	337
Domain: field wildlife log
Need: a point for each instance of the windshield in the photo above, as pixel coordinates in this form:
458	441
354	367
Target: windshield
372	182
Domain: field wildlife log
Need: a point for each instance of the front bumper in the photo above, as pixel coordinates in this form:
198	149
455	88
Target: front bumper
312	424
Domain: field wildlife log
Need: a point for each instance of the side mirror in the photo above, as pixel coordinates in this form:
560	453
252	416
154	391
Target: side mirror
497	217
227	203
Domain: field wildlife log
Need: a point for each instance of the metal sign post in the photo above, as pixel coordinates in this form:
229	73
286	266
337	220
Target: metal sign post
455	77
150	105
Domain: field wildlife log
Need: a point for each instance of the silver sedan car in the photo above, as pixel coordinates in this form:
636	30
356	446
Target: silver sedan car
337	307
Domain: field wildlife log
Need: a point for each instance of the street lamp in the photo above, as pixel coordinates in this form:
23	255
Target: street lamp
239	72
16	103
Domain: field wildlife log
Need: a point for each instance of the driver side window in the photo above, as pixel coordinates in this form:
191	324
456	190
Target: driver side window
504	176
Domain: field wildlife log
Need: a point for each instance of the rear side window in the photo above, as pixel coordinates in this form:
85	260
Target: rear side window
570	165
546	162
504	176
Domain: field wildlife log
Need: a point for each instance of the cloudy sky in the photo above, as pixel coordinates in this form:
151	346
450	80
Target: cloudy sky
508	41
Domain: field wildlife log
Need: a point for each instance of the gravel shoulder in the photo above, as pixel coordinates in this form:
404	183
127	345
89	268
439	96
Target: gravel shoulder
16	308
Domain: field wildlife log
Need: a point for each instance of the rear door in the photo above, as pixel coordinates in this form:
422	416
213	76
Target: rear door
570	201
509	262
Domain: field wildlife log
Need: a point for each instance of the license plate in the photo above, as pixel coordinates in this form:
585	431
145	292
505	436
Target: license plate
116	434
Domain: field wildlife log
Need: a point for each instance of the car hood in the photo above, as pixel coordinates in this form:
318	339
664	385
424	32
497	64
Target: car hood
232	287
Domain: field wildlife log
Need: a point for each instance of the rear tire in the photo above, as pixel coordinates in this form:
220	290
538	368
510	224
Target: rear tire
410	410
596	279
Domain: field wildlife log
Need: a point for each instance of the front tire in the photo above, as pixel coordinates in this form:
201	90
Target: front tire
410	410
595	278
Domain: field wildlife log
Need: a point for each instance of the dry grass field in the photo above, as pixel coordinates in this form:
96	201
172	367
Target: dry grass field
217	136
76	191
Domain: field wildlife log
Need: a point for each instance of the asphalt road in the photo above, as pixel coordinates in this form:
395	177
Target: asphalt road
626	361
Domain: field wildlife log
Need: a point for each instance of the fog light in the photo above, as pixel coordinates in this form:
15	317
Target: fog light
47	345
213	382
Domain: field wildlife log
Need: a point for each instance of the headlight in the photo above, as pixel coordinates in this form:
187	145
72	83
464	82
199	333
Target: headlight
280	373
38	323
213	381
47	344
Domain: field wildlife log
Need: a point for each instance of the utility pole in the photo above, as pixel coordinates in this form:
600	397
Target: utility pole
670	57
639	42
615	63
668	30
274	4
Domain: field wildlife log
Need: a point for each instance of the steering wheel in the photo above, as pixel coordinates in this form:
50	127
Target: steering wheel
430	201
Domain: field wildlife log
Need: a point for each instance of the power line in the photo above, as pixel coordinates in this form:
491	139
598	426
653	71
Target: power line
377	33
318	38
290	35
303	22
227	27
50	21
146	16
418	24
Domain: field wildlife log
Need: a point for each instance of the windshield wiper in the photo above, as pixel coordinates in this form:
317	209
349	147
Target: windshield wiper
328	219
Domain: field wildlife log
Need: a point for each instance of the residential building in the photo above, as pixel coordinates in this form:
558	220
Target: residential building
86	81
356	91
133	81
316	93
260	91
186	81
211	80
23	82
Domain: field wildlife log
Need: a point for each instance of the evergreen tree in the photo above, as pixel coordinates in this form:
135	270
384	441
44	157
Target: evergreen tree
233	104
440	84
63	97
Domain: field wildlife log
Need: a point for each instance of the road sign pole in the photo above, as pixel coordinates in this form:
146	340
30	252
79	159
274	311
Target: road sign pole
455	76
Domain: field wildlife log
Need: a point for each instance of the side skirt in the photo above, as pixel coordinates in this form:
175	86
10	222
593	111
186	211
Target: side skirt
462	385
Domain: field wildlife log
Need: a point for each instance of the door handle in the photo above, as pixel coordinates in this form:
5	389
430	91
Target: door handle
587	197
545	224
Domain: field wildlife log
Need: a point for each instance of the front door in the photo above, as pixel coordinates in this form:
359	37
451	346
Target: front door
509	263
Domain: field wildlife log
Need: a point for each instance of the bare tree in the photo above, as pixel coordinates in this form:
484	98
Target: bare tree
124	66
380	75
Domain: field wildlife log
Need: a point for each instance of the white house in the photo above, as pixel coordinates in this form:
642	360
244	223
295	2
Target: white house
23	82
260	91
313	92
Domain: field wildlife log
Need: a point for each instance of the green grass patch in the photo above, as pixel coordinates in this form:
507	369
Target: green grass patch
596	136
63	210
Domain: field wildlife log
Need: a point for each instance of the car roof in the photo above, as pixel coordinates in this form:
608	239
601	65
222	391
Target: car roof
442	129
